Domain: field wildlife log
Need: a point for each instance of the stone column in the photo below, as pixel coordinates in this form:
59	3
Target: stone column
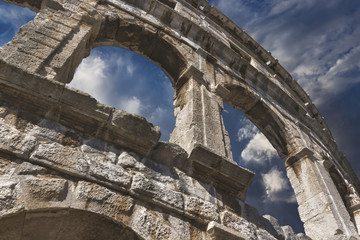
320	205
198	116
55	42
356	214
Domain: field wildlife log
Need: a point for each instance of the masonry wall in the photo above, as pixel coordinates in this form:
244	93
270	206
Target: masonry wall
209	60
53	176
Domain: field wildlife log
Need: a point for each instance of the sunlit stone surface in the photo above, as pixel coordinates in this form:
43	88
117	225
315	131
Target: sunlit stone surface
69	163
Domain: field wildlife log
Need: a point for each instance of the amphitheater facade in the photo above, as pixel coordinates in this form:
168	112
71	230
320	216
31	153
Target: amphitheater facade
73	168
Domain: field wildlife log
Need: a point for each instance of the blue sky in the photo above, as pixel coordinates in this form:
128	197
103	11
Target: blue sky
317	41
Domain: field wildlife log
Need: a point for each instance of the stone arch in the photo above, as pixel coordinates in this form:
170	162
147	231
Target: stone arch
210	60
120	30
44	224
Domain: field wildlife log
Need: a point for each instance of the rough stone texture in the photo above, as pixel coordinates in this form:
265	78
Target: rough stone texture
68	163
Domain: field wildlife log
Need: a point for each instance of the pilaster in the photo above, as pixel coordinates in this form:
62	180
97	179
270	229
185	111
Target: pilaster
320	205
198	116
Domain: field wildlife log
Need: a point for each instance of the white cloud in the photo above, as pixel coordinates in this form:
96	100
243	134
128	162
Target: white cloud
248	130
131	105
276	187
15	15
314	40
90	77
258	150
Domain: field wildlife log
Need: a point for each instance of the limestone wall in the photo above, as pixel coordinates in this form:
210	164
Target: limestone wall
53	176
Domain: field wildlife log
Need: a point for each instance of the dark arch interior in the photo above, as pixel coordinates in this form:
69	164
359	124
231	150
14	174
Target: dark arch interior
62	224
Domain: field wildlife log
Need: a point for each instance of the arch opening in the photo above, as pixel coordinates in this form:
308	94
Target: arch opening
125	31
270	192
62	224
127	81
12	18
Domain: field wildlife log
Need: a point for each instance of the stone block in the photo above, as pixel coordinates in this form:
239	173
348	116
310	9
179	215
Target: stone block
45	193
11	200
224	174
152	190
26	168
108	172
323	226
48	130
25	81
239	224
85	103
289	233
218	231
133	132
36	49
316	205
93	145
202	209
171	154
275	225
64	159
15	142
264	235
149	224
5	167
127	160
24	61
101	200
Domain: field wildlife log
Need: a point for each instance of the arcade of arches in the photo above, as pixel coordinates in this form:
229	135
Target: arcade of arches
66	159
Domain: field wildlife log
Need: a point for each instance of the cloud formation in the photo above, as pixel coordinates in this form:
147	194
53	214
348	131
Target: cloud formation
316	41
14	15
258	149
91	78
112	76
12	18
277	187
131	105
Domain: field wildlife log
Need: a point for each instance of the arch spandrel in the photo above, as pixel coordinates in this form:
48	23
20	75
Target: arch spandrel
209	60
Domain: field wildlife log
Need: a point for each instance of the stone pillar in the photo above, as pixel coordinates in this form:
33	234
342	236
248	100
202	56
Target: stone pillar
198	116
320	205
356	214
55	42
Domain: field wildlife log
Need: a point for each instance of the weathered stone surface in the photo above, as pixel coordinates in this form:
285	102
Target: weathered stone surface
171	155
203	209
10	199
218	231
127	160
108	165
96	198
264	235
239	224
274	223
62	158
12	140
42	192
48	130
133	132
108	171
149	225
157	191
